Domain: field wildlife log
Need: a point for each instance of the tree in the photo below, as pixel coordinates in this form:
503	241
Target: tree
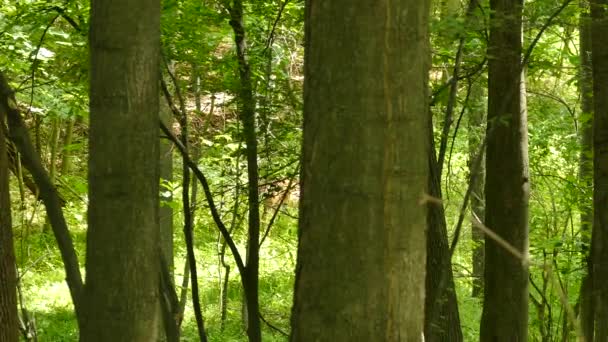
166	219
586	165
9	331
505	306
122	279
247	116
361	256
477	178
442	320
599	239
166	176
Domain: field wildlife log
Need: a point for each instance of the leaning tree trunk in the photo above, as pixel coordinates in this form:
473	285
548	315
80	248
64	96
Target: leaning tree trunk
9	329
442	321
122	278
599	239
505	308
30	158
361	255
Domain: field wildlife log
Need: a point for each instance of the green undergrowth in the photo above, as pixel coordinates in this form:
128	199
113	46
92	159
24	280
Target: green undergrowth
47	299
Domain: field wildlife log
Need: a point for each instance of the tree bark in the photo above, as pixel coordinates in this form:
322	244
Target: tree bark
442	320
599	239
505	309
9	328
165	210
585	122
66	155
19	135
247	115
122	278
362	245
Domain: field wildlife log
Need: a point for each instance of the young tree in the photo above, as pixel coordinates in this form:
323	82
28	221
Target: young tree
477	177
9	331
505	307
360	274
599	239
247	116
122	279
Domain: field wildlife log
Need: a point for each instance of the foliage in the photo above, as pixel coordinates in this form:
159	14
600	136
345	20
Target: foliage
43	50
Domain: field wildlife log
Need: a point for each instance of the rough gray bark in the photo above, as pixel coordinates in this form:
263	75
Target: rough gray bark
9	329
505	309
362	245
122	278
599	239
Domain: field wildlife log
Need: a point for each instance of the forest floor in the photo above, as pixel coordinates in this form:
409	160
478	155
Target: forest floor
46	296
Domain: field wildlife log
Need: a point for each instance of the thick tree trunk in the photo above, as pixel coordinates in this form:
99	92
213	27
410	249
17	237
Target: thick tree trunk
505	309
599	239
122	278
476	135
586	166
9	329
362	251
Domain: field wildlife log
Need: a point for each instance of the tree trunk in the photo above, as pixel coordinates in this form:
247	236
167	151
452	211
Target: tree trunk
20	137
247	115
9	329
505	309
362	245
585	128
599	239
476	134
66	154
122	278
166	211
442	321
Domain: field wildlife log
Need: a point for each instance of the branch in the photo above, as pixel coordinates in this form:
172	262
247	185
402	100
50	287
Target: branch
275	328
209	196
35	61
274	26
67	18
542	30
449	111
290	186
525	259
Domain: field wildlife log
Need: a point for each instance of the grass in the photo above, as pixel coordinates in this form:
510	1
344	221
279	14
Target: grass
47	298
